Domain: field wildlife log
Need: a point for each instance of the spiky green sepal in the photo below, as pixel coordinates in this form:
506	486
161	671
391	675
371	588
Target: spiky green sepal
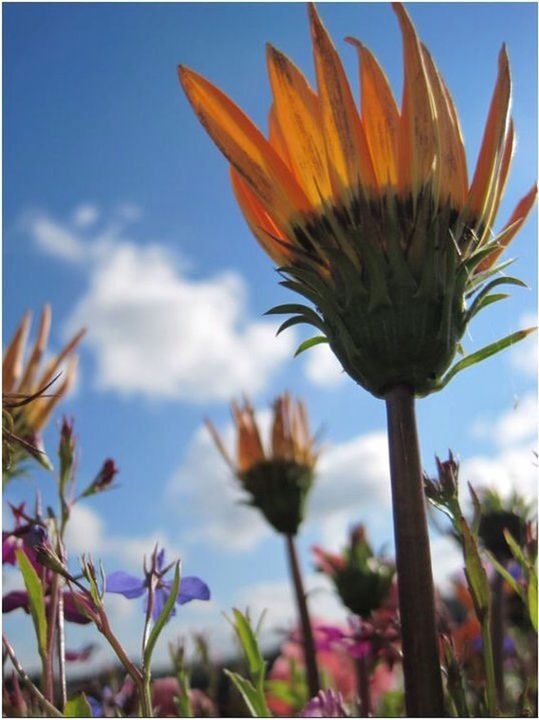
279	489
395	312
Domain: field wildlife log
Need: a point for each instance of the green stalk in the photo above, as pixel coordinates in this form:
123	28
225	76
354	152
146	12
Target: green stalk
488	659
146	698
306	630
497	627
422	676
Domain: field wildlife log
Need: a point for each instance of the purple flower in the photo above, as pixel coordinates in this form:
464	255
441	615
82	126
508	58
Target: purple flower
191	587
326	703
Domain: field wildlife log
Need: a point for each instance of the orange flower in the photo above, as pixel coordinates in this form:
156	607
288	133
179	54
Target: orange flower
368	211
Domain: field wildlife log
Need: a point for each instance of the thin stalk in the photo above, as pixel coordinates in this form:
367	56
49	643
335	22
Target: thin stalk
25	680
306	630
488	660
422	676
363	687
146	698
497	627
60	639
51	635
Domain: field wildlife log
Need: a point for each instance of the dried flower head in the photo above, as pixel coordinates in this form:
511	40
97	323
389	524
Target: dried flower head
278	479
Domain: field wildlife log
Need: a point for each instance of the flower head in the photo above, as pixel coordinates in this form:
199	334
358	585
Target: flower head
278	479
361	579
27	400
368	211
191	587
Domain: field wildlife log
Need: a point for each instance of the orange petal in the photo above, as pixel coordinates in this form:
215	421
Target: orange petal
249	445
276	138
28	380
379	114
258	220
453	175
346	145
12	360
485	176
511	227
418	137
39	410
296	108
244	146
501	176
55	362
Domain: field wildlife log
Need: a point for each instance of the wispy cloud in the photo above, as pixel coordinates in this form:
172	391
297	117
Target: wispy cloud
153	330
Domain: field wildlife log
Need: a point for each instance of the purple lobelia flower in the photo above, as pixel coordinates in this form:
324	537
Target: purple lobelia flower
326	703
191	587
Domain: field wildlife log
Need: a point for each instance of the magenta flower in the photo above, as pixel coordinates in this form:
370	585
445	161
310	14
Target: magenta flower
191	587
72	612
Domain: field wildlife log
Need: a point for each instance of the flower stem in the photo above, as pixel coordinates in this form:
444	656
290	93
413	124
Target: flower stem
497	626
363	687
422	677
488	659
42	700
307	633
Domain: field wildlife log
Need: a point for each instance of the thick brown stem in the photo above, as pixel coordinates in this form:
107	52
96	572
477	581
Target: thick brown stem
422	678
497	632
363	686
306	630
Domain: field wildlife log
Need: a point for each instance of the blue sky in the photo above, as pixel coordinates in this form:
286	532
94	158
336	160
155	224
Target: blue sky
118	210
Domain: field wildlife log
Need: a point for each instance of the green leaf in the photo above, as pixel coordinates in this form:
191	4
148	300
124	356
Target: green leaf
475	572
506	575
287	309
310	342
163	616
532	597
78	706
253	699
249	645
480	299
484	353
36	600
515	549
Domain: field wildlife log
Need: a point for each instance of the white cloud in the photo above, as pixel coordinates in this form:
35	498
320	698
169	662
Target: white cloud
524	355
215	498
513	426
512	469
85	214
153	330
447	563
352	484
322	367
86	533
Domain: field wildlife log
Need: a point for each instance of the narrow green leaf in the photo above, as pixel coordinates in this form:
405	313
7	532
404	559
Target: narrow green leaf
163	616
485	302
484	353
78	706
310	342
249	644
532	597
253	699
287	309
506	575
479	301
36	600
515	549
475	572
